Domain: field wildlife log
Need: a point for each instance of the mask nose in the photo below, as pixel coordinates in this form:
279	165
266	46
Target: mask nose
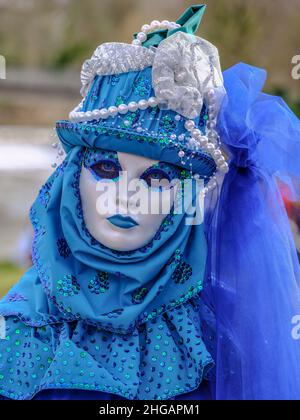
123	195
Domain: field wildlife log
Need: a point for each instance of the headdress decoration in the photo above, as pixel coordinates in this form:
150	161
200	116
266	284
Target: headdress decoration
186	76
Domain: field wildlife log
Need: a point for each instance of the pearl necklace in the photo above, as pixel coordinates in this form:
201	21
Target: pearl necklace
155	25
102	114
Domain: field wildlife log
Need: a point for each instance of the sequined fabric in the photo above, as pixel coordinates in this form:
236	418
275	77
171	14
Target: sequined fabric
164	358
112	59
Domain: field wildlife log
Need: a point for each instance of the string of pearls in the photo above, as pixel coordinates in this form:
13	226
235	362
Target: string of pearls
155	25
112	111
210	142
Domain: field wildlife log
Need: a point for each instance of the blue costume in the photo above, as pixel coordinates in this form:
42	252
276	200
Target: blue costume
201	312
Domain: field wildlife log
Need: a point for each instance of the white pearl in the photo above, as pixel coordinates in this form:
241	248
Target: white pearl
165	23
123	109
136	42
145	28
54	165
210	148
203	140
224	168
178	117
139	129
104	114
153	102
221	161
181	154
192	143
211	124
212	116
133	106
189	125
213	135
181	137
96	113
217	154
143	104
196	133
142	37
55	145
113	110
81	115
155	24
173	137
173	25
211	94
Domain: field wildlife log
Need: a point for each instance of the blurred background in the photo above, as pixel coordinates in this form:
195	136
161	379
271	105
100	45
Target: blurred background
45	42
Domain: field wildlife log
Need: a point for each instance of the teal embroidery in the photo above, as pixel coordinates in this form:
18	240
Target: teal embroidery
142	87
120	100
182	270
167	124
99	284
131	120
68	286
139	295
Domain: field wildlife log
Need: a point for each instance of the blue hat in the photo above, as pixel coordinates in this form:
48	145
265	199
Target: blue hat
157	97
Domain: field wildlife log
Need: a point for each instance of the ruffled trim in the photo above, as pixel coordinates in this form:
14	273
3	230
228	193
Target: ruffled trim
162	359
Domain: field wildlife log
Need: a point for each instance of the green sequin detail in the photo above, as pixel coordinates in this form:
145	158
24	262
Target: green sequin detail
68	286
142	87
182	270
99	284
139	295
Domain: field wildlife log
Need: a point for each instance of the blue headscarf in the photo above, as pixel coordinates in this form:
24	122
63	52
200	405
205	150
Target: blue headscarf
88	317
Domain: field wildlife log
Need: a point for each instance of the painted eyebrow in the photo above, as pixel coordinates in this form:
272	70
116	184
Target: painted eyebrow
94	156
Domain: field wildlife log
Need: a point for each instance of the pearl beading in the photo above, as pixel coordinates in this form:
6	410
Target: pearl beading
155	25
209	142
102	114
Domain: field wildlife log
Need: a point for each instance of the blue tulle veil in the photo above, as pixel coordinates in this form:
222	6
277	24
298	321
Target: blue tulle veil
252	271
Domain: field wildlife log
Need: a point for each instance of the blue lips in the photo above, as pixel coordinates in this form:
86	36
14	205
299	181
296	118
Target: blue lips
124	222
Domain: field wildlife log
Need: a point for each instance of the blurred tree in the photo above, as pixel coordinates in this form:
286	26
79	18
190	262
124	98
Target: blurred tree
62	33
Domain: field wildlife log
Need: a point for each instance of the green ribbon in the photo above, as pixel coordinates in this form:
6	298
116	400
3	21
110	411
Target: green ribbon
190	21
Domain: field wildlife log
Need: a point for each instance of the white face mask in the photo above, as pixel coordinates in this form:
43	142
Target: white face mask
119	226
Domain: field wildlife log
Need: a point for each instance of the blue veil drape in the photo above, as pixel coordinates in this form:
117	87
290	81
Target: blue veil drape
253	271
